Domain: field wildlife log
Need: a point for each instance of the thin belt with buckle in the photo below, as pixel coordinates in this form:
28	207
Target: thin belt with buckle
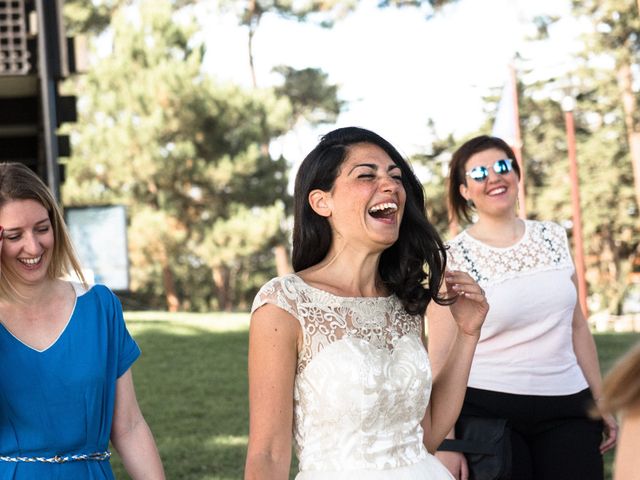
98	456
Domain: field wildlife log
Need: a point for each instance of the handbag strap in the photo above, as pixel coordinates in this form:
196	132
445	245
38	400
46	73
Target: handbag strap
466	446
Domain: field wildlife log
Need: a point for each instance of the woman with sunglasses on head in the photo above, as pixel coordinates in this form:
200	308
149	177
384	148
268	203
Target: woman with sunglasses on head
66	388
536	363
337	361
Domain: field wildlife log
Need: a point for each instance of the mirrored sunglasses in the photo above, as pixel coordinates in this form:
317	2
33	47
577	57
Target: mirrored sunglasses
481	173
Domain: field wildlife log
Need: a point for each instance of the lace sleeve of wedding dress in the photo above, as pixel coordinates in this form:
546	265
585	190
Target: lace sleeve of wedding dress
326	318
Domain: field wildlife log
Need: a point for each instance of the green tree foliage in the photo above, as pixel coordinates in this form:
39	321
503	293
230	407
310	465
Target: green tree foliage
606	191
609	217
616	24
432	169
94	16
312	97
185	155
608	130
434	4
88	16
609	213
251	12
322	12
190	157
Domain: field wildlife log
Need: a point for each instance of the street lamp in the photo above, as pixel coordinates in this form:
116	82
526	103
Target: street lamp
568	105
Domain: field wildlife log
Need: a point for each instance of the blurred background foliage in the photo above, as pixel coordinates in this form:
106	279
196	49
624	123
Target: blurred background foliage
208	202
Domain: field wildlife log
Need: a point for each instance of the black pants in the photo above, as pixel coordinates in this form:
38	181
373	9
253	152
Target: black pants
553	437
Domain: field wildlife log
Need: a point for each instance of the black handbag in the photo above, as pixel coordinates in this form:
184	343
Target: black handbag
486	444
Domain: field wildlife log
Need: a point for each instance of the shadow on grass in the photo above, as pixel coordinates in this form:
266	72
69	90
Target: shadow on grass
192	388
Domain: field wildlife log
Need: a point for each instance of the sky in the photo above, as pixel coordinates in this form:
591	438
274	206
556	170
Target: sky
396	69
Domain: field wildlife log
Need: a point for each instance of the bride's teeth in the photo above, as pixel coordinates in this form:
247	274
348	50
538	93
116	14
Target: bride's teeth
383	206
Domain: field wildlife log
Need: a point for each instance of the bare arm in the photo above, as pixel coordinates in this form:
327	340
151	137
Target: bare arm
273	345
131	435
627	462
584	347
453	356
442	330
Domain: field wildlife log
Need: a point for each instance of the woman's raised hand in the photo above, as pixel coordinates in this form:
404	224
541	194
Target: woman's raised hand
470	307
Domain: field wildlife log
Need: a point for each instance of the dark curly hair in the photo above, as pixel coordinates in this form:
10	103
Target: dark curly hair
413	267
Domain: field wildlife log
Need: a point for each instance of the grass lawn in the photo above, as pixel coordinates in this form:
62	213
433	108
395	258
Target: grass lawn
191	382
192	388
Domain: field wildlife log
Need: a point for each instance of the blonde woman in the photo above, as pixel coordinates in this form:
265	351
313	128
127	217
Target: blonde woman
65	352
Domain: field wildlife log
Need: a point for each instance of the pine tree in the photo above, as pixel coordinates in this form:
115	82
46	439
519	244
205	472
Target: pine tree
183	153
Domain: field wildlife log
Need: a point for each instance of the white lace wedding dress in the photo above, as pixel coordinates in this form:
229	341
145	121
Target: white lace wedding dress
362	386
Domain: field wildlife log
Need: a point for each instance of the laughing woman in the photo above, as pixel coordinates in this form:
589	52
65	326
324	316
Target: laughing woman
65	353
337	362
536	364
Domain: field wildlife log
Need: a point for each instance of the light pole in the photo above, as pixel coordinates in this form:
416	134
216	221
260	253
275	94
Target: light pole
522	210
568	105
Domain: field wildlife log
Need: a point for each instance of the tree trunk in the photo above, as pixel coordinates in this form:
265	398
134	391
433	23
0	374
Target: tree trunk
252	67
253	17
625	82
283	265
173	302
220	276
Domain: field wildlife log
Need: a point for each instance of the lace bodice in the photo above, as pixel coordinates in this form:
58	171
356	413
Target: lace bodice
526	342
363	378
543	247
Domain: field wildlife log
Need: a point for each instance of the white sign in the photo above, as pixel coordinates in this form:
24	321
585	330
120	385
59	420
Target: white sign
99	235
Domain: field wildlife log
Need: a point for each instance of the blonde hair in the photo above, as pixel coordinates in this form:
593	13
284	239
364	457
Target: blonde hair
18	182
621	388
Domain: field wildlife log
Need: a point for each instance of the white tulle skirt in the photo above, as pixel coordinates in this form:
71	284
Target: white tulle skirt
429	468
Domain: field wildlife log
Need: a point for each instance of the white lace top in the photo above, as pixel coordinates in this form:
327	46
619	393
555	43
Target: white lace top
362	385
526	342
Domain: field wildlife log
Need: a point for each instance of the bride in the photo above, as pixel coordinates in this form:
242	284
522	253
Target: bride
337	363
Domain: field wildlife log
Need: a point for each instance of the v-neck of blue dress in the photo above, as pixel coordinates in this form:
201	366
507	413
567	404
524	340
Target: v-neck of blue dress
60	400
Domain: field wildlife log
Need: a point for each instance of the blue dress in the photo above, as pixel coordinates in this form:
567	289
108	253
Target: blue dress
59	401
